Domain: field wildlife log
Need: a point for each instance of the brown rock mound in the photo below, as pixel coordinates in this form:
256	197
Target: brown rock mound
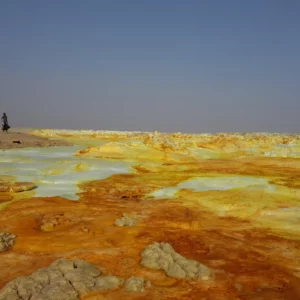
7	240
62	280
15	187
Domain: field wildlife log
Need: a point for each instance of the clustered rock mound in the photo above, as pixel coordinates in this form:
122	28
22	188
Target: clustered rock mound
7	240
125	221
62	280
66	280
16	187
162	256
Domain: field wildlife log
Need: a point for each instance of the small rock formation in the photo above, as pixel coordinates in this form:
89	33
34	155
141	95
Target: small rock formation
125	221
15	187
162	256
51	222
108	282
136	284
7	240
85	229
62	280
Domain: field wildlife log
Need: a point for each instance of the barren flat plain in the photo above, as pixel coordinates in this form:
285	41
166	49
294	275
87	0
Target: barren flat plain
148	215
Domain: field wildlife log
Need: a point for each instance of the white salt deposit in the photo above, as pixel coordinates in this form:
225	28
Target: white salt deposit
201	184
55	171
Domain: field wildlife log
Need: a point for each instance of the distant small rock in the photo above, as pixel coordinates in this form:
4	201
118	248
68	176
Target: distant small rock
7	240
125	221
85	229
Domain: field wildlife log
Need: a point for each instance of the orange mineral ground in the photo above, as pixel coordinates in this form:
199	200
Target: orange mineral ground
228	201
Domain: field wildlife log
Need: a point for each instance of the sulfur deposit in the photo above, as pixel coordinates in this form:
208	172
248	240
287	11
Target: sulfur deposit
166	143
138	152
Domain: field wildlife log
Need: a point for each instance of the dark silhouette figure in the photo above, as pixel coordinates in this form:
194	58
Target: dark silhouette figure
5	125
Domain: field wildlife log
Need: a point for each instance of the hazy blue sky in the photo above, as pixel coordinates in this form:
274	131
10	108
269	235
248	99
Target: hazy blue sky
167	65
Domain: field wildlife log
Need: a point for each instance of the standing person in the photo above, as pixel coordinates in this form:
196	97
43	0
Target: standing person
5	125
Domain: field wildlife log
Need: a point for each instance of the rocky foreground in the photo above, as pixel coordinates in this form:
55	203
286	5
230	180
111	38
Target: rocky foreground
196	217
71	279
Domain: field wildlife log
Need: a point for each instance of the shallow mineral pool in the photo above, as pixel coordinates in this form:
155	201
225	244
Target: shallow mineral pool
56	171
202	184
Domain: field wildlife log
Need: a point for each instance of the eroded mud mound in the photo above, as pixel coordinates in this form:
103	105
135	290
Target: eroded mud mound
7	240
62	280
162	256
